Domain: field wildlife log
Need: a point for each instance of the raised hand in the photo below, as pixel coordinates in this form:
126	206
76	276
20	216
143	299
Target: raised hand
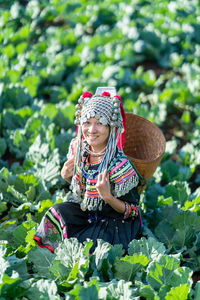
103	186
68	169
104	190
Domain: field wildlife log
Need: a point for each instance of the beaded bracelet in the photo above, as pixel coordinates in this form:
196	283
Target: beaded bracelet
128	210
134	210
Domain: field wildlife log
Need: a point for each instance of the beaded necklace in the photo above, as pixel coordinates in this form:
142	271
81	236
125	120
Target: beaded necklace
94	162
96	153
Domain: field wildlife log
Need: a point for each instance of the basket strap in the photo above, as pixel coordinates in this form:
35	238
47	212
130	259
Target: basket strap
142	179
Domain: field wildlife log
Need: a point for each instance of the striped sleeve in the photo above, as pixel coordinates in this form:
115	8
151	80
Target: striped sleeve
123	177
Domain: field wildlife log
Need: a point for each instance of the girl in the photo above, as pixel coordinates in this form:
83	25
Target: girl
104	201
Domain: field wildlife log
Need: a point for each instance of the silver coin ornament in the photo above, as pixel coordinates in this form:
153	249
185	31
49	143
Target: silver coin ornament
92	114
103	121
78	107
116	105
97	116
114	117
83	206
84	120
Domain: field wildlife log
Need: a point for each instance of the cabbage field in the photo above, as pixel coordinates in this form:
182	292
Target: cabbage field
52	50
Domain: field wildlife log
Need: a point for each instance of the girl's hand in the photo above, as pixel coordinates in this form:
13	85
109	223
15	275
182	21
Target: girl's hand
103	186
68	169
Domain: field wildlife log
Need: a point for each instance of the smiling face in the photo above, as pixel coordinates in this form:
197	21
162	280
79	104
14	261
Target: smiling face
95	134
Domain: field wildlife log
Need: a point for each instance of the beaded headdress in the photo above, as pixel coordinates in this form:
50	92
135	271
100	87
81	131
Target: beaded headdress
104	107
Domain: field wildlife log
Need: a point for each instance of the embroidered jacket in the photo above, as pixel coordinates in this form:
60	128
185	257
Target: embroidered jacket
122	177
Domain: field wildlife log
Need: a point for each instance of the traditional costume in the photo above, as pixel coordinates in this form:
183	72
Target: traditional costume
86	215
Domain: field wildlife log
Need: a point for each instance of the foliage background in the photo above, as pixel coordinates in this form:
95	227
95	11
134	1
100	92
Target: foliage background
50	51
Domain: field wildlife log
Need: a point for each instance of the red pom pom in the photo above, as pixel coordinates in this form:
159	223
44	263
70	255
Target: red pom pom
87	95
105	94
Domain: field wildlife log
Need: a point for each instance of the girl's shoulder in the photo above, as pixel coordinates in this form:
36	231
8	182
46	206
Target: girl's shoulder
121	168
72	147
122	174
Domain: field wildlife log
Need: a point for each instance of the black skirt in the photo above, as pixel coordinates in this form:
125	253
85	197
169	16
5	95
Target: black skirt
66	220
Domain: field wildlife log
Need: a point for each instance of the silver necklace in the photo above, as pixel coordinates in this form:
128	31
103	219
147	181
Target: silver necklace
95	153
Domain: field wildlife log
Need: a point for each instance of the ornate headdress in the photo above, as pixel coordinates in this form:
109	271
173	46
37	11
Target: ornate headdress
107	109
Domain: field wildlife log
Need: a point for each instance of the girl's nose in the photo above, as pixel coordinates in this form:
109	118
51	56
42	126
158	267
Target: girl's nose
92	128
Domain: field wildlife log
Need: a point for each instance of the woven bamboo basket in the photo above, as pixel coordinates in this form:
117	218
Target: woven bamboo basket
145	145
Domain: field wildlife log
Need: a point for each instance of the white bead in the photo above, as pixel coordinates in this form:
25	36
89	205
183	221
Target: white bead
116	105
114	117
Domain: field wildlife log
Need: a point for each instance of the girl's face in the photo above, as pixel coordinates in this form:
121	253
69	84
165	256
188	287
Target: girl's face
96	134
